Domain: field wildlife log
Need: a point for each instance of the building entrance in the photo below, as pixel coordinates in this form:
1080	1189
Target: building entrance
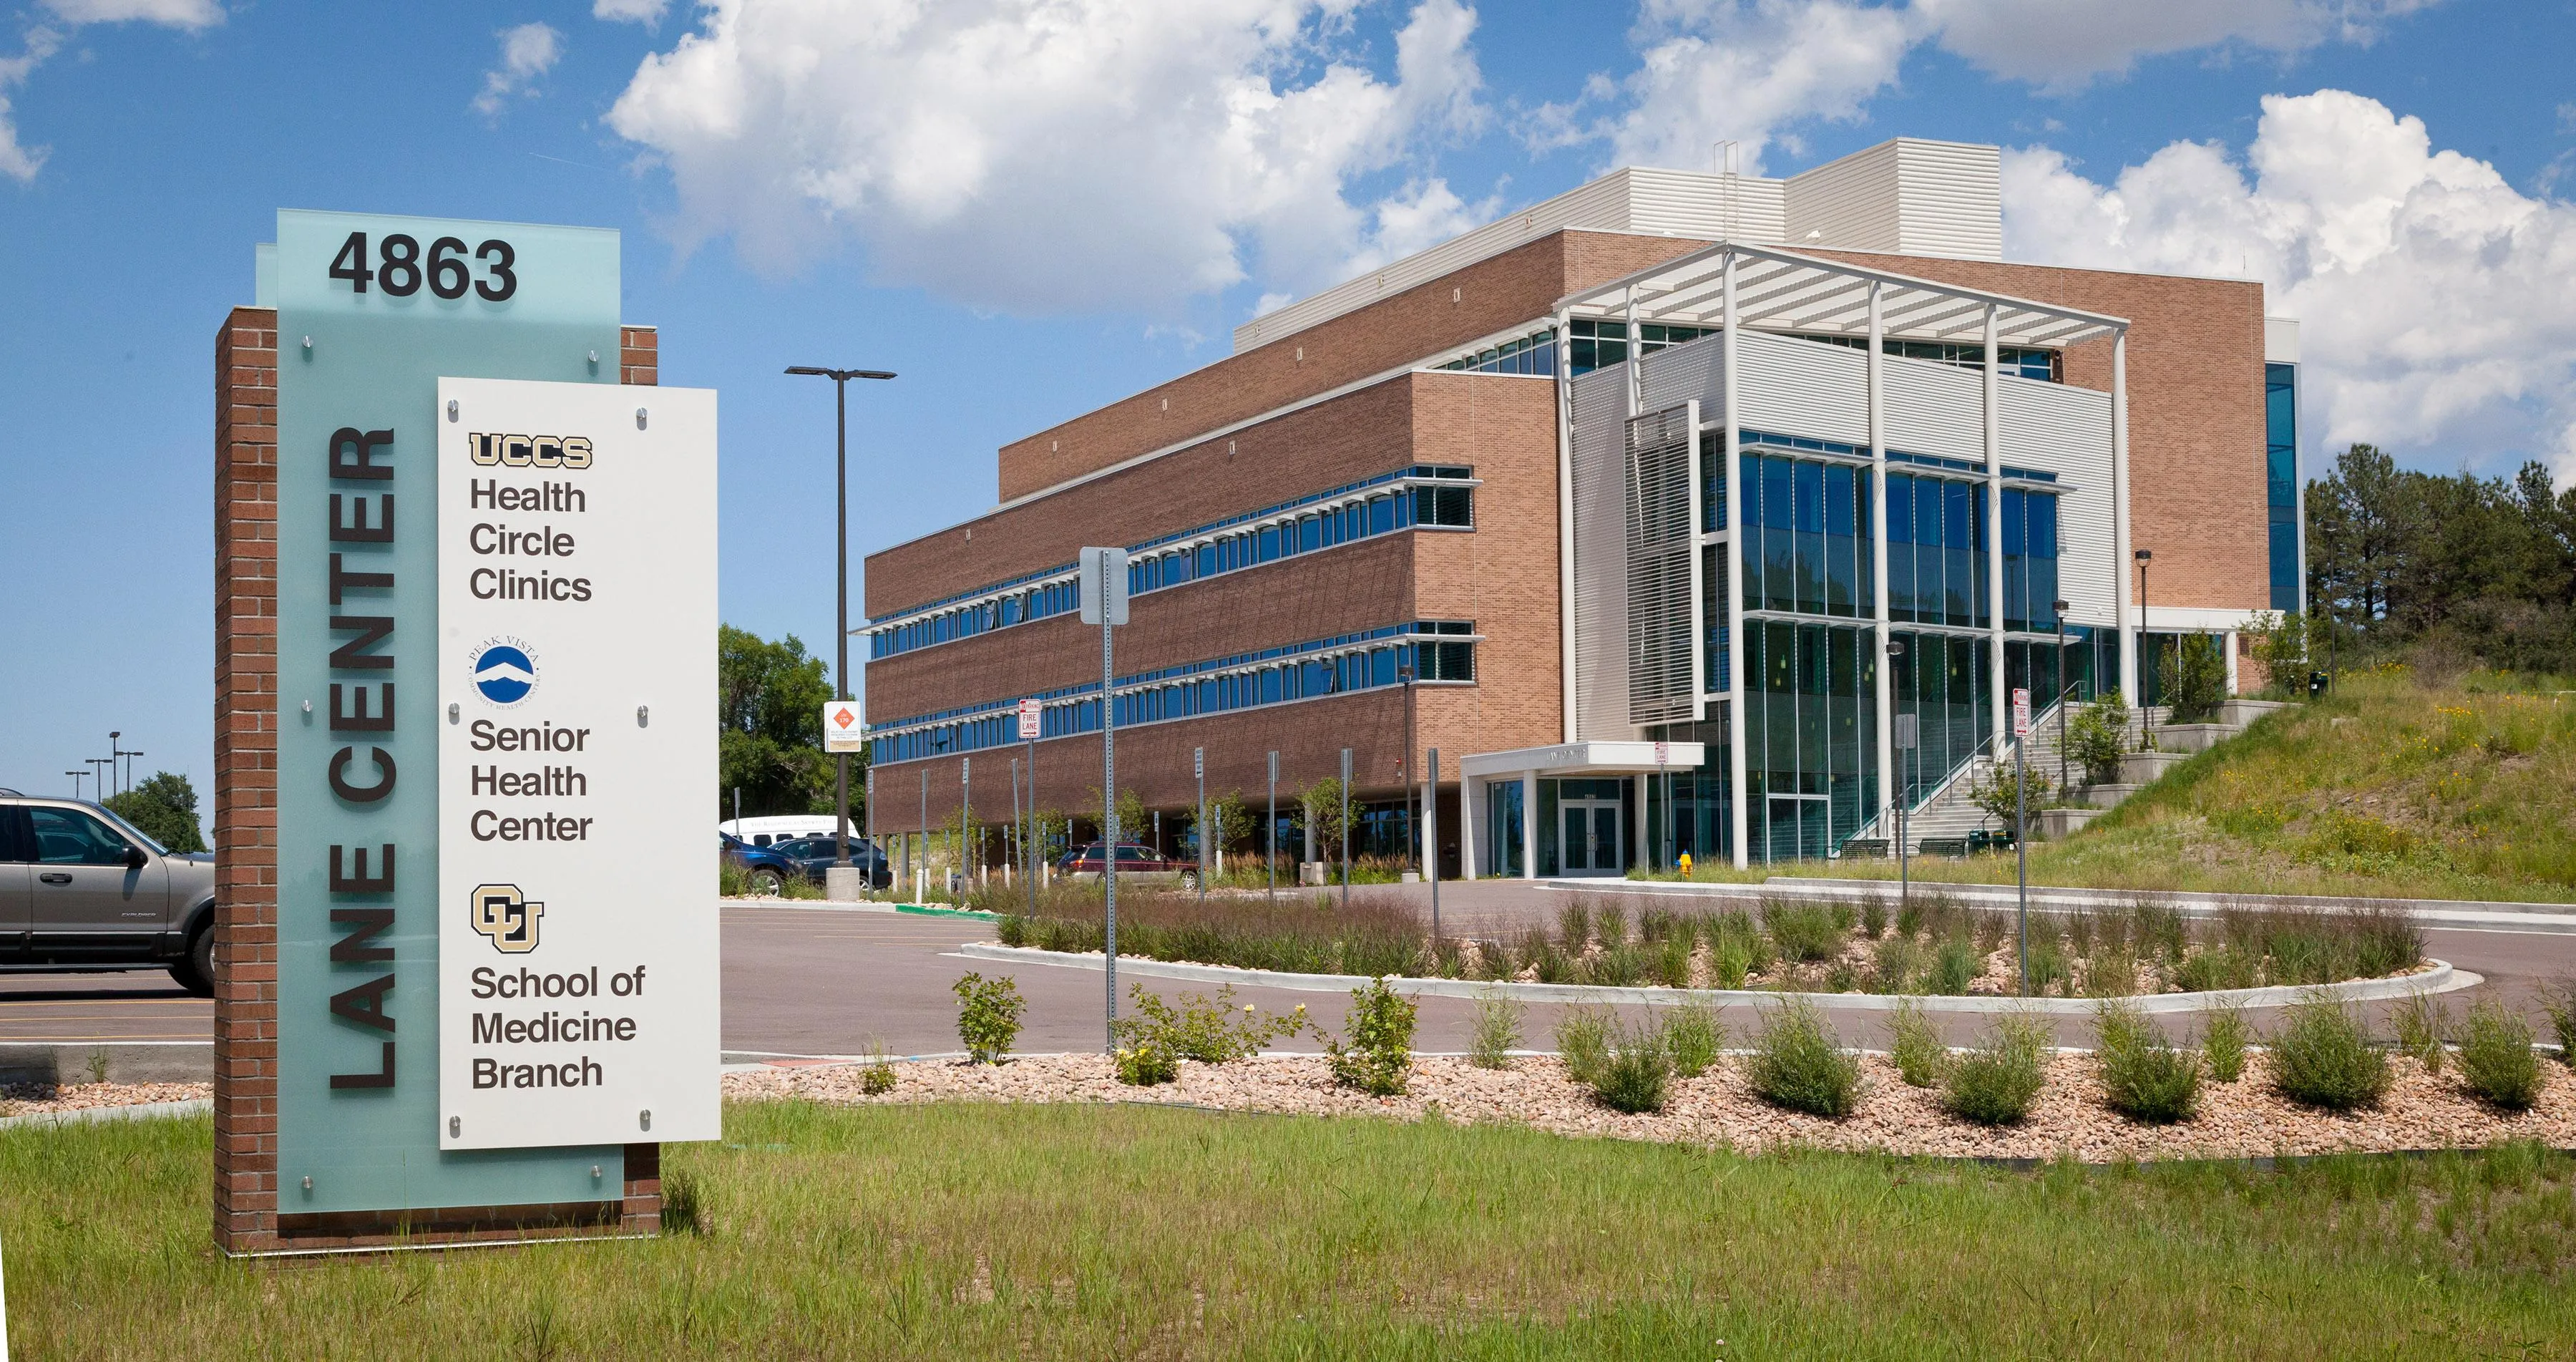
1592	842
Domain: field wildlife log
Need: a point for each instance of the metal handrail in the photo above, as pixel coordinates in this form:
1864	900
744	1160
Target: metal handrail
2000	742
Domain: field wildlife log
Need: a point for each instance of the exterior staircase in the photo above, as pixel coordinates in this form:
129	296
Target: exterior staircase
1948	815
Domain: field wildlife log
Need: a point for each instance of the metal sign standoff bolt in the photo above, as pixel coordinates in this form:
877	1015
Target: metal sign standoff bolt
639	418
644	1119
643	715
451	713
455	1126
451	410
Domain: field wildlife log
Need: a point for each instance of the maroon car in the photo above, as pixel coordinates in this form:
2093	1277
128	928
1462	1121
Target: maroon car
1142	862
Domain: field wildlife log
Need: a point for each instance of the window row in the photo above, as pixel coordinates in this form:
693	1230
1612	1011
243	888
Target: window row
1148	570
1211	688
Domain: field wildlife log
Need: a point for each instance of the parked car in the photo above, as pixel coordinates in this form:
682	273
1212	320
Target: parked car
768	871
82	889
1134	860
812	855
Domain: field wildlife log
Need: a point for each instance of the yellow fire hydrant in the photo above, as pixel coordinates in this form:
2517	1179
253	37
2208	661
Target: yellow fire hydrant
1683	865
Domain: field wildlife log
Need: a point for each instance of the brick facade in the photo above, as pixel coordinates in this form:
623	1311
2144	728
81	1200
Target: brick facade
246	1216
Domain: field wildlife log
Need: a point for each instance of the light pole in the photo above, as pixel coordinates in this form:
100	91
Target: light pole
2064	689
1404	768
77	778
841	564
115	749
1346	827
2146	712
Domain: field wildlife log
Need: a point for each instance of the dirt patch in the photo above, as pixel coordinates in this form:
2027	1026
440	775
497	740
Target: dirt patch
2237	1120
37	1099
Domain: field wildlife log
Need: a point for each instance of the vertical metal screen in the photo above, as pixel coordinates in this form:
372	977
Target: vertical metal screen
1663	563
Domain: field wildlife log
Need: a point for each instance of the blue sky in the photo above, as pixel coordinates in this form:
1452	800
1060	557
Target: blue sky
1027	218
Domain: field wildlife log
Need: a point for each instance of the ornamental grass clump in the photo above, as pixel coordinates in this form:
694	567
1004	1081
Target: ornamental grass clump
1995	1083
1497	1031
1583	1042
1803	931
2423	1026
1693	1035
2558	999
1637	1070
2144	1076
1376	1056
988	1016
1921	1057
2496	1059
2323	1057
1956	962
1798	1064
2224	1036
876	1077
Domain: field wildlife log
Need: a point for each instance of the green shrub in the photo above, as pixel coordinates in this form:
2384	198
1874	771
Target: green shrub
2558	999
2144	1076
2323	1058
2048	965
1798	1064
1377	1054
1873	916
1921	1057
1583	1042
1672	957
1497	1031
876	1077
2224	1034
2423	1026
1693	1035
2098	736
1994	1084
2496	1060
1636	1072
1574	926
2219	967
988	1016
1211	1031
1842	978
2195	678
1803	931
1145	1065
1955	964
684	1202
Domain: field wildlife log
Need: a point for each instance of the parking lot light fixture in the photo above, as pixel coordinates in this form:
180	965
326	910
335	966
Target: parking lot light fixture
841	560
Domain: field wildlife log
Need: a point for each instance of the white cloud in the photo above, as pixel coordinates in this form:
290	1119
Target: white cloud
1053	154
1737	70
17	161
187	14
527	52
646	12
2437	304
2067	42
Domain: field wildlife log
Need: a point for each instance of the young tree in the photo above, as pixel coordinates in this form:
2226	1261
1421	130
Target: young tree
769	716
2098	736
1319	808
2196	678
163	808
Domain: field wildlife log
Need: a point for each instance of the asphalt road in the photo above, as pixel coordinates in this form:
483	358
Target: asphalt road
813	981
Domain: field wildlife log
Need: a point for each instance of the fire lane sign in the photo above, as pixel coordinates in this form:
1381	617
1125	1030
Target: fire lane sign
578	983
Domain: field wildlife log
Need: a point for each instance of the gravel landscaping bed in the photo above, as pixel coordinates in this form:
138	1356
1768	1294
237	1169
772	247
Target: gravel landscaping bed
40	1099
2244	1119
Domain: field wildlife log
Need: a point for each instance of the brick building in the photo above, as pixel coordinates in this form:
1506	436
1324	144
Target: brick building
1561	490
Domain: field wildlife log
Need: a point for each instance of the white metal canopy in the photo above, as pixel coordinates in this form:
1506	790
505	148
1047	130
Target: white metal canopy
1782	290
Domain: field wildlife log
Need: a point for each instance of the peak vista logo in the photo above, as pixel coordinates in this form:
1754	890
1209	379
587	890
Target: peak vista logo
504	670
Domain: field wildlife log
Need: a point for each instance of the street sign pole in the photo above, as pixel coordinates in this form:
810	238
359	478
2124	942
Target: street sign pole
1905	738
2021	821
1031	854
1270	836
1198	769
1104	602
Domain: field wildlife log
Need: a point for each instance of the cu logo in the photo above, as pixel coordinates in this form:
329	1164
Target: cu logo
504	913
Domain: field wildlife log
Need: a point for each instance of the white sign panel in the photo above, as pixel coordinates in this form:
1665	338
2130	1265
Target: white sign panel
578	982
1032	716
1099	568
843	729
2021	712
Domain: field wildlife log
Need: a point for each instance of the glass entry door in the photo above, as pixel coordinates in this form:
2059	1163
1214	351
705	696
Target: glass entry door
1592	842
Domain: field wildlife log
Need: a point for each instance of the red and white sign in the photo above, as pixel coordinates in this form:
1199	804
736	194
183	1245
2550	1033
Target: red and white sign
1029	716
2021	712
844	730
1663	754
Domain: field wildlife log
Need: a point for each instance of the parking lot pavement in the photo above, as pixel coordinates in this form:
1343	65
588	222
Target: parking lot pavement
89	1008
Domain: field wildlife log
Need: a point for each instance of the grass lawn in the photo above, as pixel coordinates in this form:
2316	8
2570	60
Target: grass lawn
2391	787
963	1230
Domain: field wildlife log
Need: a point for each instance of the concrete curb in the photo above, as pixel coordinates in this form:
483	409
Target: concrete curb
2481	913
127	1061
844	906
135	1111
2442	978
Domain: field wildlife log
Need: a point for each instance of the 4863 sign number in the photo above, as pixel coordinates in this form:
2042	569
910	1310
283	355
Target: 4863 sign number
400	269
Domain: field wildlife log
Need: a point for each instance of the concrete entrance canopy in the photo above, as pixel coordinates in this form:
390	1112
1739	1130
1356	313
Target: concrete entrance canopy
1569	759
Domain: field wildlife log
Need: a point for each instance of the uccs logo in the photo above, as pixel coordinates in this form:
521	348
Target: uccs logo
504	913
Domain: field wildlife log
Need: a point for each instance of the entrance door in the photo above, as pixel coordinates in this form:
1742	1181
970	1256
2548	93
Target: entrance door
1592	843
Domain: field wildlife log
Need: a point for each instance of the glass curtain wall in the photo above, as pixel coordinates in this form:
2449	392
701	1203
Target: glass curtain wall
1811	736
1936	551
1943	681
1503	828
1701	815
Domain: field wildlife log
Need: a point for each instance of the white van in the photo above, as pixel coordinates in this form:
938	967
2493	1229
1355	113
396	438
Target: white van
760	832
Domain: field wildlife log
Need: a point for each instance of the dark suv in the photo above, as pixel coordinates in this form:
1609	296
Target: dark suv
81	889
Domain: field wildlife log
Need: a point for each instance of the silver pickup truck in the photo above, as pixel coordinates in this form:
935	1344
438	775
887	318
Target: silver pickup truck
81	889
